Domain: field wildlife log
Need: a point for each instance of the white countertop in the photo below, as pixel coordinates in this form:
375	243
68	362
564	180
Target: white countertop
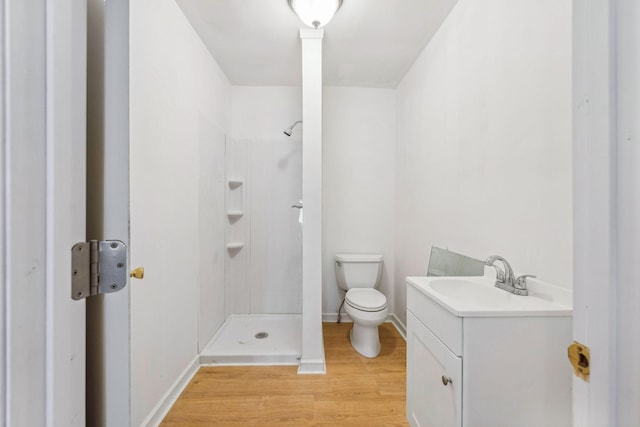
476	296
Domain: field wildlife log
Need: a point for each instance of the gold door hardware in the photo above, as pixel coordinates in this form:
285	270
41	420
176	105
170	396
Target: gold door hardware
138	273
579	358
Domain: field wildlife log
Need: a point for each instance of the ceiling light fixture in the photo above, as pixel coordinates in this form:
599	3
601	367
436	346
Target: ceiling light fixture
315	13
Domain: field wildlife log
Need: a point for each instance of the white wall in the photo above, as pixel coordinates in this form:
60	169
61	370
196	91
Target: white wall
358	182
483	161
179	107
259	115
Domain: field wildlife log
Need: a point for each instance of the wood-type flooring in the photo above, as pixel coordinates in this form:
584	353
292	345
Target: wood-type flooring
356	391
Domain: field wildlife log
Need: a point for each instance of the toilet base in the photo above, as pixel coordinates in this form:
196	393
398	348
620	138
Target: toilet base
365	340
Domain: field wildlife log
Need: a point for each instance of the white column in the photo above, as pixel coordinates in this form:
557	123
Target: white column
312	360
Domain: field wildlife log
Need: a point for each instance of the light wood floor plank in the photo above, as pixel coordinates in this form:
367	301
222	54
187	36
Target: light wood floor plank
356	391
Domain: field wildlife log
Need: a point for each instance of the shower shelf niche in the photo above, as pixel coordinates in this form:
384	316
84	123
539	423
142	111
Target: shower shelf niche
235	233
235	182
235	214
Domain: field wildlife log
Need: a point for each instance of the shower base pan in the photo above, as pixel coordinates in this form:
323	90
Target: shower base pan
256	339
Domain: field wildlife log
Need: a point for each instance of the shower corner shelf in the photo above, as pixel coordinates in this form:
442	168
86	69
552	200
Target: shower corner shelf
235	245
235	182
235	214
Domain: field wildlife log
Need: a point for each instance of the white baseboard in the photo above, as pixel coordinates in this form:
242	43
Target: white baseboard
392	318
333	318
399	325
162	408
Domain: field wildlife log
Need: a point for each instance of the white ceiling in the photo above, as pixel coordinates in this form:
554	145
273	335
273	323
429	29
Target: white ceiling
370	43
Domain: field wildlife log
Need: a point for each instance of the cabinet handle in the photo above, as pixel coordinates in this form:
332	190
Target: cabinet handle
446	380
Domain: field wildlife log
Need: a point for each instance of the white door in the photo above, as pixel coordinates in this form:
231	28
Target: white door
42	212
43	152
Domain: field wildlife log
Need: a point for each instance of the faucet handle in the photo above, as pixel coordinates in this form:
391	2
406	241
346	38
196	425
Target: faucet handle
500	277
521	281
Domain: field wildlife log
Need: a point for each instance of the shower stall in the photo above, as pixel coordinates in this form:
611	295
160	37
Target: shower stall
273	277
263	265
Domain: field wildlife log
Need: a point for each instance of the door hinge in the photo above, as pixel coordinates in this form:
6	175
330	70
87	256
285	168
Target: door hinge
98	267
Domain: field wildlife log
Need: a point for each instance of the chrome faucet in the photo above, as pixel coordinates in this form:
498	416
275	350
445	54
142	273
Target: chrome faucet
506	280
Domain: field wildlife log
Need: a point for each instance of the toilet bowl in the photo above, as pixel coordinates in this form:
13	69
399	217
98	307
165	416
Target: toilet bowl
367	308
359	275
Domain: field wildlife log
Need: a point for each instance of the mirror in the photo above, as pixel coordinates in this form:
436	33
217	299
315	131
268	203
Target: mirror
446	263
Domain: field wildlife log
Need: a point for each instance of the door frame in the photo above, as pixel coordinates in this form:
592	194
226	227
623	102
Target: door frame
108	316
606	188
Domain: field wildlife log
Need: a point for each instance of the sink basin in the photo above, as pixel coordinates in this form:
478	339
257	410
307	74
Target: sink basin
466	291
478	297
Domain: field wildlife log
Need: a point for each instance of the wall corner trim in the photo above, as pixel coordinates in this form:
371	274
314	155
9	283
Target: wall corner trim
402	329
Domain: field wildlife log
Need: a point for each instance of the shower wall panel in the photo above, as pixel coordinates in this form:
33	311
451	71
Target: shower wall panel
237	295
273	183
211	227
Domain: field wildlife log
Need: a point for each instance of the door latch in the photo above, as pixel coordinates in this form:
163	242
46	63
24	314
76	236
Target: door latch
98	267
580	359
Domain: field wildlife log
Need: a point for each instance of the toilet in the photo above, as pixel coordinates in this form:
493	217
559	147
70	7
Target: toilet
359	275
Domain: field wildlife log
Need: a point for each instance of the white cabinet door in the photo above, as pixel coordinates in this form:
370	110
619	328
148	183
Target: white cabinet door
431	402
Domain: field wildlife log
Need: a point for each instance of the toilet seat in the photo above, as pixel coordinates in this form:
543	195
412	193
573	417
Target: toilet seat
366	299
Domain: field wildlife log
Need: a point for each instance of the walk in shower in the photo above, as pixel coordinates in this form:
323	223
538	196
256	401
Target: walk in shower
263	266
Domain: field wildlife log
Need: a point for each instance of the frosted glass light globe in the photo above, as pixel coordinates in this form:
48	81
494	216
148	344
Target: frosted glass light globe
315	13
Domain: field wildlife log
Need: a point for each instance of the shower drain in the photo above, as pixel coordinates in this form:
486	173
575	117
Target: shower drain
261	335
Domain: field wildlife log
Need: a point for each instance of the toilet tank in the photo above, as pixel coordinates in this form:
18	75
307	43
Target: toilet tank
358	270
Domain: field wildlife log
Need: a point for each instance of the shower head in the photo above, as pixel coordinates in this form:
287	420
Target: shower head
289	131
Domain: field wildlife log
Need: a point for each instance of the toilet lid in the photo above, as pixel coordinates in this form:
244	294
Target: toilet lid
358	257
366	299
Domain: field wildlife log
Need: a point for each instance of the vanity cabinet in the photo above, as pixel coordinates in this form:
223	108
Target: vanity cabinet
434	375
485	371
